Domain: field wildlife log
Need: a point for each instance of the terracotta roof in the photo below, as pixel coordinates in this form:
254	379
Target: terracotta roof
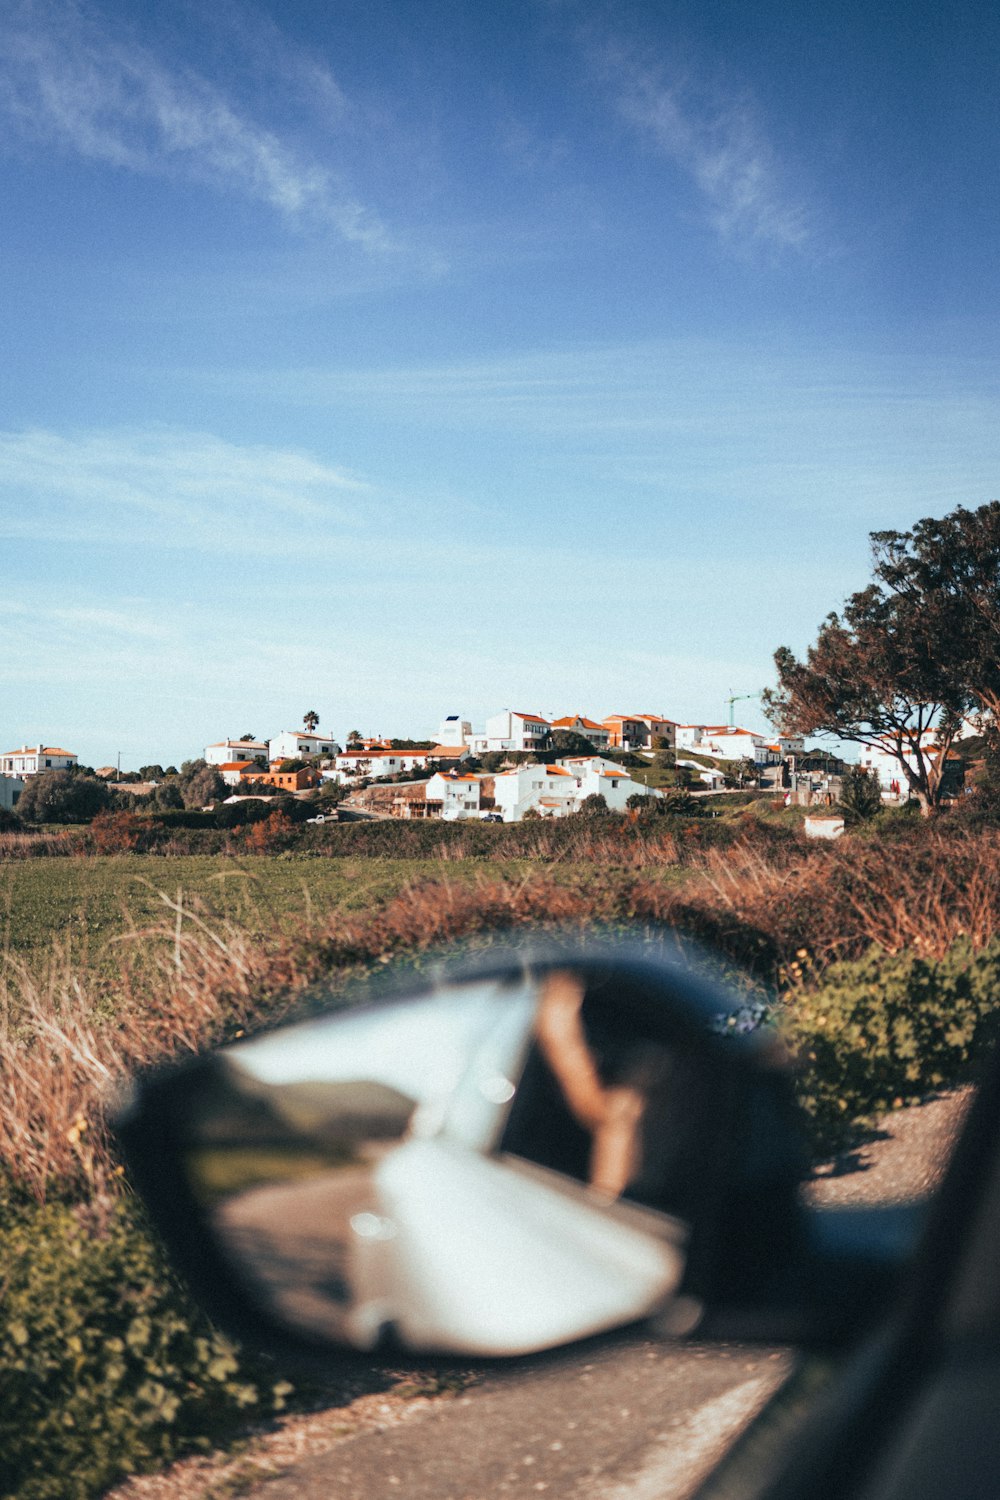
539	718
41	750
446	752
237	765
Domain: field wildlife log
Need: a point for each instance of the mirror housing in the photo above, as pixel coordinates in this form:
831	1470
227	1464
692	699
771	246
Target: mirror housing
533	1149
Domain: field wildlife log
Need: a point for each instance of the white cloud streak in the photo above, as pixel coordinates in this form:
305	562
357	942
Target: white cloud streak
66	81
719	142
171	488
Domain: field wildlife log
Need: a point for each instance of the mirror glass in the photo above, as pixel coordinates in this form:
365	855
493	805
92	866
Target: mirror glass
492	1168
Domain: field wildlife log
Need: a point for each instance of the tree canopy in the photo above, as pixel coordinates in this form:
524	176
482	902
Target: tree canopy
909	657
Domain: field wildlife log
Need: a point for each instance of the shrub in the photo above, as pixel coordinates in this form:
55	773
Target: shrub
887	1029
105	1366
62	797
860	794
116	832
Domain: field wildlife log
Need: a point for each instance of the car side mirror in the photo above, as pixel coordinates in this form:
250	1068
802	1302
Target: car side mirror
510	1158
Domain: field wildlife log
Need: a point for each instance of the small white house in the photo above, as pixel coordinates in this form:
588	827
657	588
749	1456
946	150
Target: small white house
233	771
556	791
510	730
31	760
375	764
728	743
598	734
454	732
225	752
458	793
11	788
296	744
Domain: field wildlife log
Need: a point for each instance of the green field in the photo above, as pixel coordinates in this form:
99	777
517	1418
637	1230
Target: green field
99	906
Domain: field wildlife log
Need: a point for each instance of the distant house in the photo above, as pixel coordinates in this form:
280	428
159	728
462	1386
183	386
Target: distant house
511	730
11	788
30	761
226	751
296	744
598	734
626	732
301	780
458	792
235	771
454	731
557	791
356	765
447	755
727	742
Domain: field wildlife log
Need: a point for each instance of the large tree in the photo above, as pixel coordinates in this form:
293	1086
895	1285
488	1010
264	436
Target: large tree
877	675
310	720
62	797
948	570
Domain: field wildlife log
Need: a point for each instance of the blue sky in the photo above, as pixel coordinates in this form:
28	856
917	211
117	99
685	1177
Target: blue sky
399	359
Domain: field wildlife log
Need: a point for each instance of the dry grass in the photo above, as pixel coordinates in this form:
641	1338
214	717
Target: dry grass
66	1043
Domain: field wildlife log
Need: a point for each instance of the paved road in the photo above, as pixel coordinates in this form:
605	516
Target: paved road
618	1417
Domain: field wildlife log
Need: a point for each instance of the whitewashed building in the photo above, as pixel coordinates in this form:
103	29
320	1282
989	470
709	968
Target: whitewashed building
454	732
296	744
375	764
225	752
31	760
11	788
556	791
510	730
599	735
458	793
725	742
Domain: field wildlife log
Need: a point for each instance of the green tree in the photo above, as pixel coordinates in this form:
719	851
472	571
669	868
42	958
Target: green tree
947	572
354	738
878	675
62	797
570	742
205	786
310	721
860	794
595	803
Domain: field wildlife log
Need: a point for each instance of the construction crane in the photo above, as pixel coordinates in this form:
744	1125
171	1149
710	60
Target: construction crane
738	698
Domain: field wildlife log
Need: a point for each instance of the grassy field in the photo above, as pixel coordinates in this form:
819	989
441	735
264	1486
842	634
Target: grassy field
96	906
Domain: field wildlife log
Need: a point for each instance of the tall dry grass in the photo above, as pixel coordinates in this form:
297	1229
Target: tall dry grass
68	1042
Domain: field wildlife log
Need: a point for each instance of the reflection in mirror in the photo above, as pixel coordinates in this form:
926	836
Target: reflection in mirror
490	1169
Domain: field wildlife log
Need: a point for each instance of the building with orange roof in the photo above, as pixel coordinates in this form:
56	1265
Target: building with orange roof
225	752
31	760
512	730
598	734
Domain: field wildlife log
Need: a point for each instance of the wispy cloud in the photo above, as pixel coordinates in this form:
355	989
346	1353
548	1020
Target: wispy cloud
718	139
171	488
71	81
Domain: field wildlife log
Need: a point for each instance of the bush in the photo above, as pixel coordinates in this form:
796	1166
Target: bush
105	1366
888	1029
860	794
62	797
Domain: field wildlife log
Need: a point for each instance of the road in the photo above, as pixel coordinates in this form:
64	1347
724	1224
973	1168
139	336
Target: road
621	1417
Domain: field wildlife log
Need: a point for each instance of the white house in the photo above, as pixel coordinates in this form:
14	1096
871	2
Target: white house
598	734
11	788
688	736
550	790
29	761
233	771
556	791
454	732
294	744
224	752
728	743
458	793
880	759
375	764
510	730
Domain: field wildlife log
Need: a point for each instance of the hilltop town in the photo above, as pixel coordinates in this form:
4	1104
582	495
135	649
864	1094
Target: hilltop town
519	765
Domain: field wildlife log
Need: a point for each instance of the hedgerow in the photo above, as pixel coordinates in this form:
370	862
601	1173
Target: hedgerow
106	1367
887	1029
